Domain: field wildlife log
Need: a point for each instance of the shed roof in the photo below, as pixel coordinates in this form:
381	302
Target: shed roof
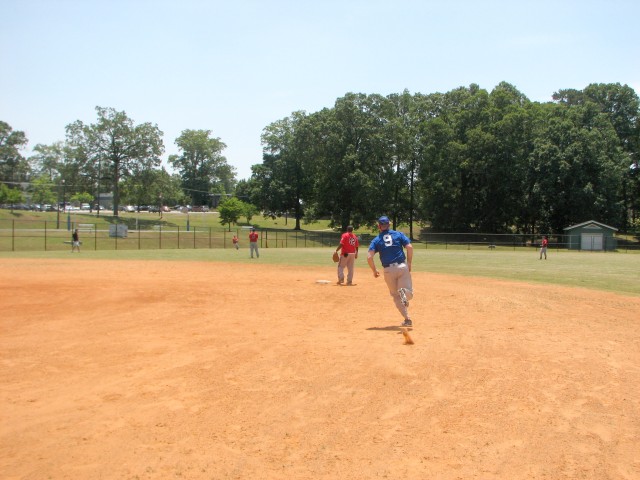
591	222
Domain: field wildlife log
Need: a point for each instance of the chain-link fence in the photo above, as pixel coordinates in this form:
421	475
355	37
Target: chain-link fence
470	241
16	235
22	235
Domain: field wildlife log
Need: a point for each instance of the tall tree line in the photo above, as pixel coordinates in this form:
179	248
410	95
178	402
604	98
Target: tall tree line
467	160
118	156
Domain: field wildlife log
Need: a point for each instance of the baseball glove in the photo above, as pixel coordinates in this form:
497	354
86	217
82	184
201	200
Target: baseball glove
336	257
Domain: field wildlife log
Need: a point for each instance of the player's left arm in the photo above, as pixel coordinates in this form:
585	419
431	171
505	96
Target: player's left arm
409	249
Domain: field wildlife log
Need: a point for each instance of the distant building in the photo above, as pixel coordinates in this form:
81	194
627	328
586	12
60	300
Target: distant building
591	235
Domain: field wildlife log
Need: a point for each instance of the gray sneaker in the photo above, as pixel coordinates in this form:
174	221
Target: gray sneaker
407	323
403	297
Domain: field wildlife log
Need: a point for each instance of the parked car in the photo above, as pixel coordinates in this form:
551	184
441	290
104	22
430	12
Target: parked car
202	208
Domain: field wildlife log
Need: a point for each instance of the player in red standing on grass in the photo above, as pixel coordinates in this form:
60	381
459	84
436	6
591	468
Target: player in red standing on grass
253	243
543	247
349	245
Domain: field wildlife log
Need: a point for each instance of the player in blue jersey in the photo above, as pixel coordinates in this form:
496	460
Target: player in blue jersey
391	245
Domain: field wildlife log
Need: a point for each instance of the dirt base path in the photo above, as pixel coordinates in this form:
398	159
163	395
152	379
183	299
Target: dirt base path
161	370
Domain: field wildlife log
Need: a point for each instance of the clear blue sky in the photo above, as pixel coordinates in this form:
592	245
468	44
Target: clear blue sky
236	66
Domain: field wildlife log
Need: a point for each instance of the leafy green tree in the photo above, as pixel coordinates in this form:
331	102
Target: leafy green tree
536	196
231	209
502	159
152	187
41	190
497	162
249	190
464	161
13	166
48	160
116	145
201	165
457	149
353	164
249	211
575	167
619	102
283	177
10	195
631	191
621	105
82	197
439	179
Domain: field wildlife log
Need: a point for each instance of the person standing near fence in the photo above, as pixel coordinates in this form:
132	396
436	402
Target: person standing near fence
75	241
253	243
543	247
391	245
349	245
236	242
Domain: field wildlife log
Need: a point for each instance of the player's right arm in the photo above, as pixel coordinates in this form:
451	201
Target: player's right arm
409	248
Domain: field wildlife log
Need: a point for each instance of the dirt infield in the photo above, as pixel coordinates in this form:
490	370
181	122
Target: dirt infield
163	370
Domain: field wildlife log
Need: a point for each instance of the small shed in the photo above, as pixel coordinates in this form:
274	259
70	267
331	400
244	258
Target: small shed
591	235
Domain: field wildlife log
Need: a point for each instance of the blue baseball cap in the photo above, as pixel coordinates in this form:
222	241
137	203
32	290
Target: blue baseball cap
384	220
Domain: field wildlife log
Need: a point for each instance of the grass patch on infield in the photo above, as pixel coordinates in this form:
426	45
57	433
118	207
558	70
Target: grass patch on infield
616	272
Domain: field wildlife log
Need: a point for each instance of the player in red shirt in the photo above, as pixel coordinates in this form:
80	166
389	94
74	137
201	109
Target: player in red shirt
349	245
253	243
543	247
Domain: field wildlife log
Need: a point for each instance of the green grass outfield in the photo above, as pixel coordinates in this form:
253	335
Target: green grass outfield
615	272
